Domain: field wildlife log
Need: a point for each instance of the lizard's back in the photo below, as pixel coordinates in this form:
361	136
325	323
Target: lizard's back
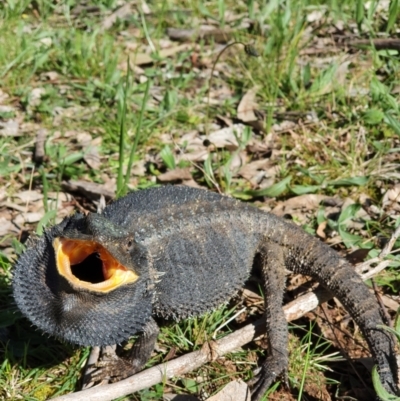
203	244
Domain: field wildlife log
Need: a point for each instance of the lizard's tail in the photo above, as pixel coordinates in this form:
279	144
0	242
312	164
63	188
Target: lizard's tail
307	255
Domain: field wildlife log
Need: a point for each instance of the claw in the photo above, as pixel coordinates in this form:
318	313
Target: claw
114	370
110	368
271	370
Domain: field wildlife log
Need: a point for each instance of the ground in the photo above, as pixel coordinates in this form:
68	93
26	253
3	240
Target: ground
289	105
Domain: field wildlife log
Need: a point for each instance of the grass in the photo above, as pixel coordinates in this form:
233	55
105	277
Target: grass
328	124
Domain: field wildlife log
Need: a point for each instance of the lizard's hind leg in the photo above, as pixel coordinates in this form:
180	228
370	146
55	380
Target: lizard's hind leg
117	368
274	280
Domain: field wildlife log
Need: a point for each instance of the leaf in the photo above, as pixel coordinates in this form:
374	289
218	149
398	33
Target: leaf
168	157
373	116
18	247
51	214
209	173
350	240
304	189
306	75
379	389
190	385
323	83
73	158
319	179
177	174
272	191
343	182
348	213
393	13
144	58
392	122
241	195
359	12
378	89
247	105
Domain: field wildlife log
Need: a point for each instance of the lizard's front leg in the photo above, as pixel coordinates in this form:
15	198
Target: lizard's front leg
274	280
118	368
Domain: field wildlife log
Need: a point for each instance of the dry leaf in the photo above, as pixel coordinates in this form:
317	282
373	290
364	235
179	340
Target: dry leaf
3	193
120	13
177	174
28	217
321	229
236	390
247	105
49	76
204	32
227	137
29	196
139	168
195	156
301	202
144	58
192	183
60	196
6	227
390	303
73	112
90	189
391	200
10	128
238	160
283	126
91	155
35	96
3	96
250	170
6	108
192	148
39	145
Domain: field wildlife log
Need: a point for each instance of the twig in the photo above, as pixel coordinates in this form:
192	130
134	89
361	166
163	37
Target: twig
90	366
379	44
40	153
389	246
119	13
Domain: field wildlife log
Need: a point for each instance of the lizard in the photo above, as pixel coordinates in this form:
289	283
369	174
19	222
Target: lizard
175	252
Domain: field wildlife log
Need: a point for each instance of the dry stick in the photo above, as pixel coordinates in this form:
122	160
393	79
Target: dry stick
379	44
210	350
90	366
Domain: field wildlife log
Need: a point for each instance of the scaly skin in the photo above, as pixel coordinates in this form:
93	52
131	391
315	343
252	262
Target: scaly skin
188	251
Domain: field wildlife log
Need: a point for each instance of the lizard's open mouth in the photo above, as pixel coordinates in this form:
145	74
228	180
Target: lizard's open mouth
89	265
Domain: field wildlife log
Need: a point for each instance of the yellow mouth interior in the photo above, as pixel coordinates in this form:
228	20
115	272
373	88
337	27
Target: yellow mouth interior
89	265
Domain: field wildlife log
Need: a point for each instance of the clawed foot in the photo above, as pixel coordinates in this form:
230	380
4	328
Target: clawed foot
109	368
265	376
113	370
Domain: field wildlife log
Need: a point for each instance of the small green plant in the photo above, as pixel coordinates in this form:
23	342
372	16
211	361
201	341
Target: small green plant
168	157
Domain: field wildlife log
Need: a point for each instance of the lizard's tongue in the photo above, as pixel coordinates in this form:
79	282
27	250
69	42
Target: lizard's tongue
72	252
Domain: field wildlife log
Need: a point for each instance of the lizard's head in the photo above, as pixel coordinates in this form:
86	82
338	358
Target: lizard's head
85	280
